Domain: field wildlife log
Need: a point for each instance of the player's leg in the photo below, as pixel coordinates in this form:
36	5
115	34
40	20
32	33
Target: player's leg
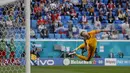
82	46
93	47
88	56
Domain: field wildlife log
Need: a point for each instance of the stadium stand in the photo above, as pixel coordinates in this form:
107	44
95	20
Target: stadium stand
12	20
50	13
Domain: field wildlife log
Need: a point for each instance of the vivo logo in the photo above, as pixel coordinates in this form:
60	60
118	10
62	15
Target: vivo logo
43	62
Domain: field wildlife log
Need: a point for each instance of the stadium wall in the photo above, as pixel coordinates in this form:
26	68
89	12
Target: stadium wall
104	47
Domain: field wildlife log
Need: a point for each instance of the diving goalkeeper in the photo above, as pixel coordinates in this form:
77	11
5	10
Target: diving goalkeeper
90	43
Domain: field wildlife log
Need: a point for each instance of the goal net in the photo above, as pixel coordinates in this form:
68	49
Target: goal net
12	37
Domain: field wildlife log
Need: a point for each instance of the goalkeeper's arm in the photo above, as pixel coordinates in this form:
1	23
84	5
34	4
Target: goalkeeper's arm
103	30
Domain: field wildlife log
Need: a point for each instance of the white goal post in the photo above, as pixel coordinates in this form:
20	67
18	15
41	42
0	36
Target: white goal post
27	23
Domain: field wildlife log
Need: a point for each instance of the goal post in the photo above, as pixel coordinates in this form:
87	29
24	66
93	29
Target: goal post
27	23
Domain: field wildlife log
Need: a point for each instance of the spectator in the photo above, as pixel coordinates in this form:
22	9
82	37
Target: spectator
121	16
44	33
97	24
101	17
110	5
11	18
70	29
84	2
103	10
40	27
126	28
41	21
105	36
36	9
75	32
12	49
53	6
32	33
2	51
120	54
99	4
73	14
114	35
66	10
9	22
54	17
53	28
111	55
75	2
42	3
91	10
118	2
84	19
110	17
126	13
58	17
125	25
61	29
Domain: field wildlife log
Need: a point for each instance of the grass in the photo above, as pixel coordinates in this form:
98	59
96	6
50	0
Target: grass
67	69
12	69
80	69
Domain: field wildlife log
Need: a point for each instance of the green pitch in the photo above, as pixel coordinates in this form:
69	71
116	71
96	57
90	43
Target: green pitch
80	69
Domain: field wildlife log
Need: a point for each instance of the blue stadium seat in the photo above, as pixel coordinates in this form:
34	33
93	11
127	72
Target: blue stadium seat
64	21
51	36
75	21
76	8
63	36
97	13
114	13
34	24
79	26
62	17
1	13
23	35
105	17
17	36
78	12
83	12
105	1
79	17
124	5
89	17
61	1
66	26
38	35
23	30
121	37
57	36
1	9
118	22
67	17
104	23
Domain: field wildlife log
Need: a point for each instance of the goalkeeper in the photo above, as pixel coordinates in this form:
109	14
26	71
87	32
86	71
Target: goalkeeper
90	44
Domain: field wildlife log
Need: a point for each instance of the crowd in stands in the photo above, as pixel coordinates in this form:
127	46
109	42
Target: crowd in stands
64	18
12	20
